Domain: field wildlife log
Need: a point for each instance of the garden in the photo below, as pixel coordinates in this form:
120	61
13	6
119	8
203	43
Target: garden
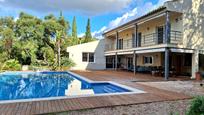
39	43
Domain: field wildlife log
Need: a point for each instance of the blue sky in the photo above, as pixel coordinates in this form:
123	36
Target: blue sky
104	14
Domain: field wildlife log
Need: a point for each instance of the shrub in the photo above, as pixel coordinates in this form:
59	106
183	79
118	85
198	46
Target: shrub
12	65
66	62
197	106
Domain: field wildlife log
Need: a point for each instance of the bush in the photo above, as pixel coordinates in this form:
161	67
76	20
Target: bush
67	63
12	65
197	106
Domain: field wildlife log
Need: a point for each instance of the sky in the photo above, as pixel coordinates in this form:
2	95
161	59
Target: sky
104	14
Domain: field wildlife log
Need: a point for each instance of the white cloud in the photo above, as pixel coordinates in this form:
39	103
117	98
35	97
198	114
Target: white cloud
87	7
81	35
98	33
123	19
114	23
139	10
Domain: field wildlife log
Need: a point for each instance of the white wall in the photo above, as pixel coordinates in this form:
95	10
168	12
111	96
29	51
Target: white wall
96	47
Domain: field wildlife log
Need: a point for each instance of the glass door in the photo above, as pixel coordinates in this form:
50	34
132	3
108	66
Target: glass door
160	34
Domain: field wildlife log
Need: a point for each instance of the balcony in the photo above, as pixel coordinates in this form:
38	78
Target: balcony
147	40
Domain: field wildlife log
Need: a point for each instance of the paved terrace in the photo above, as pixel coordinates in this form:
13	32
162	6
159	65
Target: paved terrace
62	105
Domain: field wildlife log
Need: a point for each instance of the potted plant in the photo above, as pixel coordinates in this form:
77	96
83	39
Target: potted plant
198	76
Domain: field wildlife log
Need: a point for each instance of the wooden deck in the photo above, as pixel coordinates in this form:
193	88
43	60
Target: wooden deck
125	76
62	105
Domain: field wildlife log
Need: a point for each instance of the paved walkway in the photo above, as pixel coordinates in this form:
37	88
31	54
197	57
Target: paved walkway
62	105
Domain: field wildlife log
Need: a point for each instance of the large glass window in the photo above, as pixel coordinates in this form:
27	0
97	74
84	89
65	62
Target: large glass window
88	57
148	60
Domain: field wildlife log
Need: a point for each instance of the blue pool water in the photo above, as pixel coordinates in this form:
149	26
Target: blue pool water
28	85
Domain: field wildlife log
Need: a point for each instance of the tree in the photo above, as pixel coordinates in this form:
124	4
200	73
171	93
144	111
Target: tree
74	28
7	40
50	17
28	27
64	23
48	55
7	22
31	40
28	50
88	35
59	39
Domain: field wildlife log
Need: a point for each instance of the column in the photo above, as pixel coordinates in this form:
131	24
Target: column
195	63
167	41
168	29
117	40
134	61
166	66
136	36
116	61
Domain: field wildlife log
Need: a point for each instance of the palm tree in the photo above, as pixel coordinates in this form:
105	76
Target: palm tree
59	40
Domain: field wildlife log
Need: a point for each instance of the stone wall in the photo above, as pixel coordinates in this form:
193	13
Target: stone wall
193	23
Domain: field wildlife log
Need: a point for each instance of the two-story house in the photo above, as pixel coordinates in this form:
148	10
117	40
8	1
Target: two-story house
168	39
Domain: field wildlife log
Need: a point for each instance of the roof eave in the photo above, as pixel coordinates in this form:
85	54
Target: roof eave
139	18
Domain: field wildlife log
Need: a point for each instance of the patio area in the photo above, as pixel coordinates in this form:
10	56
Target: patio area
125	76
152	95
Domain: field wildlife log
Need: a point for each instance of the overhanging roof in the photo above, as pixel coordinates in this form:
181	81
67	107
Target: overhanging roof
139	18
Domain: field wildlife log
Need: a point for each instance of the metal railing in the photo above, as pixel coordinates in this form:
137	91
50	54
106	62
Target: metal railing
176	37
149	40
110	47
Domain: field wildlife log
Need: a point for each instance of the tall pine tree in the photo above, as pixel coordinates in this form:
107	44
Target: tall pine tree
74	28
88	35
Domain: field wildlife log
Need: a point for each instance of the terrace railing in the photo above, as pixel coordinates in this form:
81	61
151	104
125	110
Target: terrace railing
149	40
176	37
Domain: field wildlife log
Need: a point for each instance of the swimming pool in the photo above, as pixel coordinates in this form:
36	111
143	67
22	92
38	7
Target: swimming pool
32	85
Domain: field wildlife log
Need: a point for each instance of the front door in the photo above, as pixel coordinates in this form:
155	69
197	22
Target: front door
129	63
160	34
178	64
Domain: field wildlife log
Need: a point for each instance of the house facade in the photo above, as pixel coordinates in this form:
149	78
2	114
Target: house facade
169	39
88	56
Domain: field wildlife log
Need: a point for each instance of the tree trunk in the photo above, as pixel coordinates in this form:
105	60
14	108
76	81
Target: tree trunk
59	49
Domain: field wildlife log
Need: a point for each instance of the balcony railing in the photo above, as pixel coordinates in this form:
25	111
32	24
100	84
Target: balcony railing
149	40
176	37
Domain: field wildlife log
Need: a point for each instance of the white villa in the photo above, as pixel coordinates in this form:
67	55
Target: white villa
168	40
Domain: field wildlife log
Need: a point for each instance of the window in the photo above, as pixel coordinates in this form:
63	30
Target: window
84	57
148	60
88	57
134	41
139	39
91	57
120	44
